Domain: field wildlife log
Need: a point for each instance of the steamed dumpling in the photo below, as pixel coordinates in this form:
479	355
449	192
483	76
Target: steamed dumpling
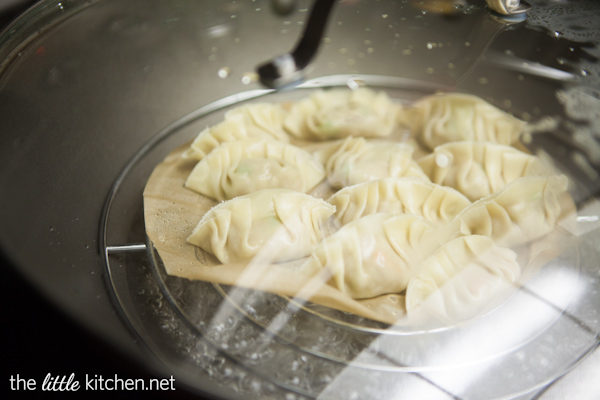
373	255
340	113
354	160
238	168
526	209
258	120
452	117
273	224
437	203
479	169
461	278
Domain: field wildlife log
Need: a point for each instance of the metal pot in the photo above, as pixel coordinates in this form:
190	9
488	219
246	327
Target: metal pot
94	93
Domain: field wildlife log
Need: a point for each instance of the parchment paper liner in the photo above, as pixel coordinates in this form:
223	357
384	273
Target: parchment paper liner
171	212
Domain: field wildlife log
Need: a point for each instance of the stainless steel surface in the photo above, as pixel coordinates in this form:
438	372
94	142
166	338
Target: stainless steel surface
85	85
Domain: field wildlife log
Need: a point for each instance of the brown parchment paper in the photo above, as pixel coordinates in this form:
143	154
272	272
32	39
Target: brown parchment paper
171	212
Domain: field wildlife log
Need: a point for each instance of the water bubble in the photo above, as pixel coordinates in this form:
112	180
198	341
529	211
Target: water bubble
384	16
406	52
249	77
451	66
561	60
429	70
467	44
431	45
224	72
442	160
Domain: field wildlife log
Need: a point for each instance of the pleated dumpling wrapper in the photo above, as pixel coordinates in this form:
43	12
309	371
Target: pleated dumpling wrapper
272	224
355	160
526	209
438	204
258	120
238	168
374	255
452	117
461	278
479	169
339	113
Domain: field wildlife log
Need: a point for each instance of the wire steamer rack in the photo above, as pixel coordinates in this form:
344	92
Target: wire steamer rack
261	345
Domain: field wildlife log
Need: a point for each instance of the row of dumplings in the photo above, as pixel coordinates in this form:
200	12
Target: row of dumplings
469	141
395	222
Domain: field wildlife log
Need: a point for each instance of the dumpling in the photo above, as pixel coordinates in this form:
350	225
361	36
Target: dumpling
437	203
452	117
526	209
273	224
354	160
339	113
462	277
373	255
258	120
238	168
479	169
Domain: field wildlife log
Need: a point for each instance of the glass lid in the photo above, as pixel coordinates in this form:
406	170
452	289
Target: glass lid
427	181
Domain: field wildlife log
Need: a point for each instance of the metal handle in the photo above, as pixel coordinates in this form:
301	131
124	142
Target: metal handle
509	7
288	69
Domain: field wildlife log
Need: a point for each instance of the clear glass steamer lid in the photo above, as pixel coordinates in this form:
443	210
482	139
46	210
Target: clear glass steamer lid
527	340
264	345
513	347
